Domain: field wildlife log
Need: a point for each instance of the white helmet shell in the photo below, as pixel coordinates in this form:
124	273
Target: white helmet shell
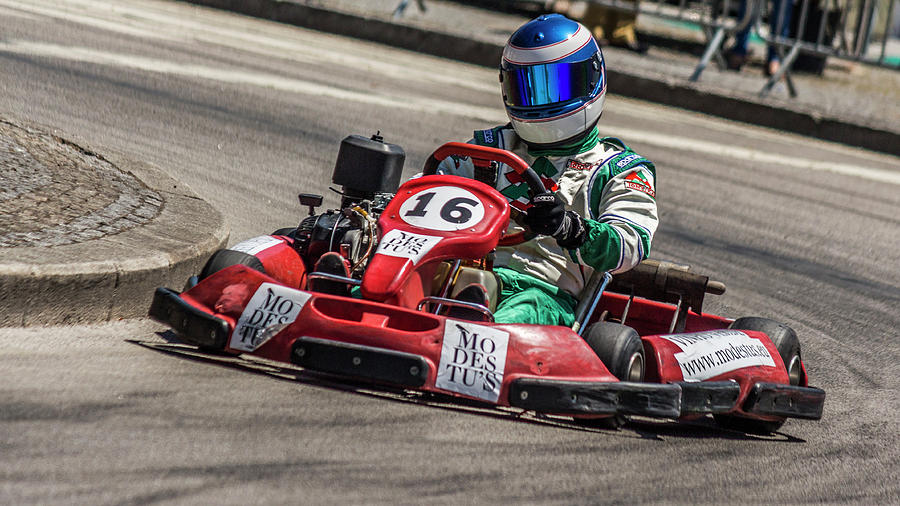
553	78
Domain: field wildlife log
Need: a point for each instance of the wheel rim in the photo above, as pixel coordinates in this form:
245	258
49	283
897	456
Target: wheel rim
794	370
635	371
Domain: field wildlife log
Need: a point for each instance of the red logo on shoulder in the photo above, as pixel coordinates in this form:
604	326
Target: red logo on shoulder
636	181
576	165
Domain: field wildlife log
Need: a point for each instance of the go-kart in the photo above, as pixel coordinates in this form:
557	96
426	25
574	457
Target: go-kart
641	344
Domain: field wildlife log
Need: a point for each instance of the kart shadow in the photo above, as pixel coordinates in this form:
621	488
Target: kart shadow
635	428
703	428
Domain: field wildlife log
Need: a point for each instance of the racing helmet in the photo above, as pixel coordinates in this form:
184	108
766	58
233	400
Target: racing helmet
553	79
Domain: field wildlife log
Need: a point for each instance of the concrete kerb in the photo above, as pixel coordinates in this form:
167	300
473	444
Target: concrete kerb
698	98
112	277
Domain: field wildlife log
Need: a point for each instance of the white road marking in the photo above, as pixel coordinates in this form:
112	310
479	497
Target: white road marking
68	14
15	13
286	43
254	78
755	155
157	21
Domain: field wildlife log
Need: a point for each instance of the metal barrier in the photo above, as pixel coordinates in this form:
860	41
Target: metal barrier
842	29
829	28
714	17
821	28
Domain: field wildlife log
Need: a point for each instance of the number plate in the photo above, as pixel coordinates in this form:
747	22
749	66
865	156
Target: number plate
442	208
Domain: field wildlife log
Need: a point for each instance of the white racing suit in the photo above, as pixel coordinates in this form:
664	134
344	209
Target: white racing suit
601	179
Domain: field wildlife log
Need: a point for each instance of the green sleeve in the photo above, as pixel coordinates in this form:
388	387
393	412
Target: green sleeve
602	248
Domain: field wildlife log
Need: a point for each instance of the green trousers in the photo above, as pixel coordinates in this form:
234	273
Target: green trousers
526	299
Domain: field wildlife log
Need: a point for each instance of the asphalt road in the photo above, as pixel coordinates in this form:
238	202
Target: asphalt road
249	113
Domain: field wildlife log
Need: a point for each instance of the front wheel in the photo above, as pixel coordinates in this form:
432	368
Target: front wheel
788	345
621	351
226	258
286	231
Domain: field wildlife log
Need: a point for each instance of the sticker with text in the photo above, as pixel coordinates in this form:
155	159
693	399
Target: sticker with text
442	208
271	305
708	354
398	243
257	244
473	358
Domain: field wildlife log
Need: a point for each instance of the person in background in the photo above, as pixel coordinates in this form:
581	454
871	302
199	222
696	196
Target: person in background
779	23
610	26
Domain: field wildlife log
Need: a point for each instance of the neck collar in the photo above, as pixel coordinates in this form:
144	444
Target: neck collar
584	143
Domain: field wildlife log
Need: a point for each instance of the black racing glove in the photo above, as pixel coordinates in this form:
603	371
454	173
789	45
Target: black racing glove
548	216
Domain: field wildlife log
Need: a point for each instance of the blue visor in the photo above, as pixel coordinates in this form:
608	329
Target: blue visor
548	83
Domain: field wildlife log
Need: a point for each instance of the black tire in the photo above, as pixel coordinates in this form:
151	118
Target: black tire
191	283
218	261
226	258
788	345
620	348
621	351
783	337
286	231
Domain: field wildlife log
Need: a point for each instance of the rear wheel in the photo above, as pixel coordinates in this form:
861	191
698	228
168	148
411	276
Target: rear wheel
619	347
621	351
788	345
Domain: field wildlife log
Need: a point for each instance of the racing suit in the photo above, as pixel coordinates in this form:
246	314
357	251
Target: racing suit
600	179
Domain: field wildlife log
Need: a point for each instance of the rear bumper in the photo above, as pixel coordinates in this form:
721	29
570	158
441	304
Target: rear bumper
774	399
596	398
191	324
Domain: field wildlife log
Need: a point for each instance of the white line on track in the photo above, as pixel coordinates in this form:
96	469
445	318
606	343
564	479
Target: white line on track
15	13
304	46
254	78
755	155
68	14
421	105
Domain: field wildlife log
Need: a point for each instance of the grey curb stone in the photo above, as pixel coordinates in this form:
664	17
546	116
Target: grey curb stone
656	89
114	276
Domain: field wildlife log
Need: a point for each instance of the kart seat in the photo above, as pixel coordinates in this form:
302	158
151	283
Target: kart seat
465	277
452	278
653	280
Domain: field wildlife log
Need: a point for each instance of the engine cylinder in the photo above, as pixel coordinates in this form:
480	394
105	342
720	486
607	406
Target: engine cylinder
366	167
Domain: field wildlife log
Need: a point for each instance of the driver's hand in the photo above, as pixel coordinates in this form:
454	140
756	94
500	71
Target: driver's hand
548	216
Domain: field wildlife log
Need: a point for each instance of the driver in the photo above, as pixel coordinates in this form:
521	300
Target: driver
600	210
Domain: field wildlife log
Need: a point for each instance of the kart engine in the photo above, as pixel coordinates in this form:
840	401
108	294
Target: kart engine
368	171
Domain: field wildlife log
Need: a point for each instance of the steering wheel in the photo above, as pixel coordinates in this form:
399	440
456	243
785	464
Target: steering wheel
486	155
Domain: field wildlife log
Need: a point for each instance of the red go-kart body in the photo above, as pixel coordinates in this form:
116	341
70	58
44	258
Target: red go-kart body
389	332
